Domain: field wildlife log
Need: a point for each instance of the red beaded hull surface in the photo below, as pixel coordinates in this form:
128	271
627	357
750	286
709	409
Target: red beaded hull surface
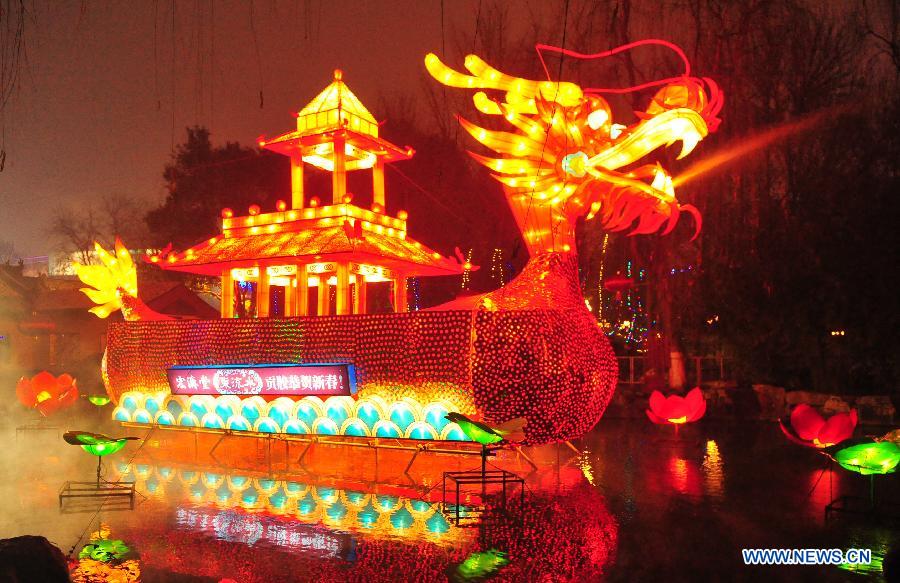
530	349
541	354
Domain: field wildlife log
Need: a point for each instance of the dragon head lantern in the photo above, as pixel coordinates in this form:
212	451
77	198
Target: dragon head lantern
539	353
567	158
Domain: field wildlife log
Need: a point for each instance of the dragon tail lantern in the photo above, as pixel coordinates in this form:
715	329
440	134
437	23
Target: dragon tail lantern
113	285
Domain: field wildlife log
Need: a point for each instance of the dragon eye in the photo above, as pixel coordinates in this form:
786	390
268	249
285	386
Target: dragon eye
575	164
597	118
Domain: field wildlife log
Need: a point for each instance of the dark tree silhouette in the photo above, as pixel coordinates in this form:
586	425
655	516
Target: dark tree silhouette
202	179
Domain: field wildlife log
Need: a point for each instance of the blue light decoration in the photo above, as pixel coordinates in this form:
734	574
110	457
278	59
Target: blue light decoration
336	415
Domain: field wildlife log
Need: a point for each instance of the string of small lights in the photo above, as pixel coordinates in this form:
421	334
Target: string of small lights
467	273
498	268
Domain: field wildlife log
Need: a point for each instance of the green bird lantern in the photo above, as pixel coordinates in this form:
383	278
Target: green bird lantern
512	431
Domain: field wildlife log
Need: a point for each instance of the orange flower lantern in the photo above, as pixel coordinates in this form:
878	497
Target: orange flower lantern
47	393
807	427
676	409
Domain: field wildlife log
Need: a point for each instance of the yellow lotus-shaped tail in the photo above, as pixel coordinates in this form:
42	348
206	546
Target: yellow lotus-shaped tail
113	278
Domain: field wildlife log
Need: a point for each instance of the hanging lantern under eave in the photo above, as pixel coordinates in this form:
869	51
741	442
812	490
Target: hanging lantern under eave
618	284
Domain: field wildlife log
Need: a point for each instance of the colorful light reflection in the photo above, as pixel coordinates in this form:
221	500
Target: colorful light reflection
241	508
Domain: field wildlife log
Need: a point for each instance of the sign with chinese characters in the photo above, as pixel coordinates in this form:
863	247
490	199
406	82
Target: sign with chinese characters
265	379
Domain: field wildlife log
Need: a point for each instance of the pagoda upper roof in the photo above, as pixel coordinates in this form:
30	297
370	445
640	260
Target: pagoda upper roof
311	235
335	107
336	112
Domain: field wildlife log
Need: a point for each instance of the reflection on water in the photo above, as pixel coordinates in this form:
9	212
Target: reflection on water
683	477
713	470
218	523
260	510
878	540
587	469
637	503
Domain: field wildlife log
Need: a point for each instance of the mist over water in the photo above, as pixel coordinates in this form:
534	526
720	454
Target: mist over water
37	462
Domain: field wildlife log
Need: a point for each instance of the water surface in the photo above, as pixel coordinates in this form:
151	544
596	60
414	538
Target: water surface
634	502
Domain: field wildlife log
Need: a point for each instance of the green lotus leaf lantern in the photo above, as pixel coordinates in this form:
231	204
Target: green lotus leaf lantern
98	400
867	457
96	444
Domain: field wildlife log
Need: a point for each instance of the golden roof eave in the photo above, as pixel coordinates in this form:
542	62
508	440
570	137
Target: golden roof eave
310	245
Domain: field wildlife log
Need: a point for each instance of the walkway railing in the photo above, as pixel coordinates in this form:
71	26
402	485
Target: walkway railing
699	369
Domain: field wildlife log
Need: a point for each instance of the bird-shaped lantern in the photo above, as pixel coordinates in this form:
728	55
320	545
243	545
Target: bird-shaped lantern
512	431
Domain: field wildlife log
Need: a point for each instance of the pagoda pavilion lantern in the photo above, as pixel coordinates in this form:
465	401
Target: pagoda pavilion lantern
329	256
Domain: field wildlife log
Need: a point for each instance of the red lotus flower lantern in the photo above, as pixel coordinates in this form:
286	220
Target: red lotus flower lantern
676	409
808	428
47	393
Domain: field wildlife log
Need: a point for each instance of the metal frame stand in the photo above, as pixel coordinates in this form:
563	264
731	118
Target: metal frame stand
482	477
100	488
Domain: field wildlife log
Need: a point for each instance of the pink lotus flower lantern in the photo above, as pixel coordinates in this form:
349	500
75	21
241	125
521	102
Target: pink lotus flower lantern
807	427
676	409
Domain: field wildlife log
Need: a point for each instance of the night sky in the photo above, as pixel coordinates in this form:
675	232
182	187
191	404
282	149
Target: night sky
94	111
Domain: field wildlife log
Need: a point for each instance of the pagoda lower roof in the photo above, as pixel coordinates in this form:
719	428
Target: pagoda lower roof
324	243
289	142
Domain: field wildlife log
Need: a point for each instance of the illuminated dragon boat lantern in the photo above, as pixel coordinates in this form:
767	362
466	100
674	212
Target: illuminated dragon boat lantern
299	284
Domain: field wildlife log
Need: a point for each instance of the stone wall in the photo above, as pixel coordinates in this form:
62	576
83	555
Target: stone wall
765	402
